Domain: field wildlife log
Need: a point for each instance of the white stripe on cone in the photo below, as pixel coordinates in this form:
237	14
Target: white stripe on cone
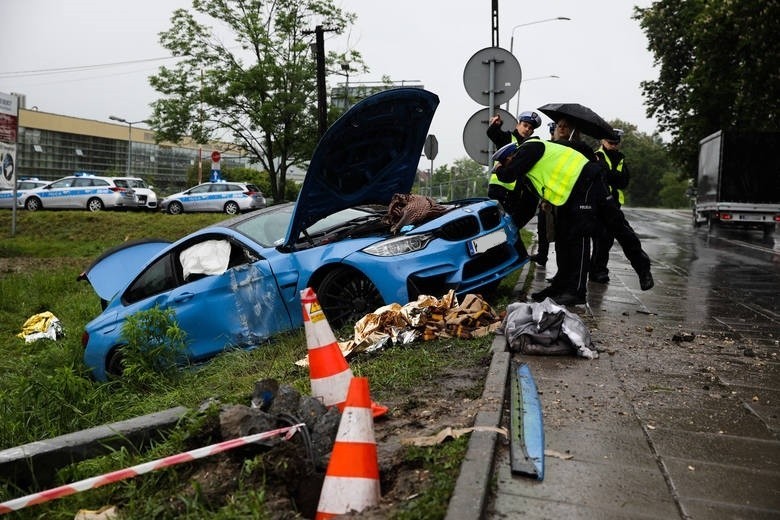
344	494
331	389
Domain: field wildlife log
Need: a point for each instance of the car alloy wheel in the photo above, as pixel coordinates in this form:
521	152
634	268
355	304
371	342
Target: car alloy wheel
346	295
175	208
33	204
231	208
95	205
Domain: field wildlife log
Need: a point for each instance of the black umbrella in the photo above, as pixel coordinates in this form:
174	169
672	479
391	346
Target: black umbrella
583	118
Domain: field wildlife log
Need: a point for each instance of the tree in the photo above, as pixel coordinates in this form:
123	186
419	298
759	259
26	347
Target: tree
258	90
718	69
466	178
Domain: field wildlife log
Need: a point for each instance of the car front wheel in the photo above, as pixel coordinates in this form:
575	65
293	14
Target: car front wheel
33	204
231	208
95	205
175	208
346	296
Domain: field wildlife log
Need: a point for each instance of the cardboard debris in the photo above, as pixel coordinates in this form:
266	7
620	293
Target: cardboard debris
449	433
426	318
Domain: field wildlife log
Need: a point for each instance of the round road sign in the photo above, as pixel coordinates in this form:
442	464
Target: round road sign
507	76
475	138
215	156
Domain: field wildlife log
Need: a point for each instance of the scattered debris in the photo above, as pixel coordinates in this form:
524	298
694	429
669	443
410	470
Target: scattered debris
40	326
426	318
448	433
558	454
547	328
683	336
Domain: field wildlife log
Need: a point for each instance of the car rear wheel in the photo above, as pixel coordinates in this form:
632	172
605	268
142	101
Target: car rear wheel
33	204
346	296
175	208
115	363
95	204
231	208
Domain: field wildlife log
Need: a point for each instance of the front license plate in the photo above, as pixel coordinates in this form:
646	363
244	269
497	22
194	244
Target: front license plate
483	243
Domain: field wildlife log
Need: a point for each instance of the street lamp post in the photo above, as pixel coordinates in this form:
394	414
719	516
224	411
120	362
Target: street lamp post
129	137
517	105
512	38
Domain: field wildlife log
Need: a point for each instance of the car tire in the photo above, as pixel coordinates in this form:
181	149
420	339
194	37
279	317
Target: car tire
33	204
347	295
231	208
95	204
175	208
115	363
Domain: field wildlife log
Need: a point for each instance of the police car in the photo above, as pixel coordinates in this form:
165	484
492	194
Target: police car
22	185
226	196
79	191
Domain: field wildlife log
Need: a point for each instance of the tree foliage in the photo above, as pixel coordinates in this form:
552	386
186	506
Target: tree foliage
258	90
464	179
718	69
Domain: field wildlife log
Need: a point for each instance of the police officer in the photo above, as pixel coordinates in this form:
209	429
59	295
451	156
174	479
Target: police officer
575	186
543	218
616	176
518	199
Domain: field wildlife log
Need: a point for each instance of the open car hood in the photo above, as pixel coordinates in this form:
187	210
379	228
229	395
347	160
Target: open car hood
369	154
113	269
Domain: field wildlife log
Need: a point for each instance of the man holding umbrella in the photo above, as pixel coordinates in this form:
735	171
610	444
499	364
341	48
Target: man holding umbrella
575	185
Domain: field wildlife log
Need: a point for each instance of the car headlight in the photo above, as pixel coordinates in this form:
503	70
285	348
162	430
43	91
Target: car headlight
400	245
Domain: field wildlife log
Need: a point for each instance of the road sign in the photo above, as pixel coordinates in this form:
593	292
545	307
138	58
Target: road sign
506	76
431	147
215	156
475	138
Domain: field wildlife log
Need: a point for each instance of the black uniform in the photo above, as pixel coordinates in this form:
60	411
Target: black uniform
589	208
521	202
616	179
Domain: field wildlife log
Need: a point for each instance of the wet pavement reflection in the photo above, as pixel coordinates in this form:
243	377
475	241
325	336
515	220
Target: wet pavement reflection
680	415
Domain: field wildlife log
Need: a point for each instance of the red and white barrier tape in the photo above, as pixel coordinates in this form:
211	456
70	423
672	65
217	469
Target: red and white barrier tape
146	467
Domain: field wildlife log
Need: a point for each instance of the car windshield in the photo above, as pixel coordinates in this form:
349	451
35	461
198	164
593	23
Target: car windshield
269	228
130	183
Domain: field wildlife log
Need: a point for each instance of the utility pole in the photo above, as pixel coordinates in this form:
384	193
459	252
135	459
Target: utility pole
322	95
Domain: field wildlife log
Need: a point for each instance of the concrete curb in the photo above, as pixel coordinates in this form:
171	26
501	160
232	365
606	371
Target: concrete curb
38	462
472	488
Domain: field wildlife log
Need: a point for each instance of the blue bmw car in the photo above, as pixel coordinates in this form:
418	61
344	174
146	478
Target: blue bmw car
237	283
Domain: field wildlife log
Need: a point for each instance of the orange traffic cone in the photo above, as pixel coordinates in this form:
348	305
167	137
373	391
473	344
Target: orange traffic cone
352	479
329	371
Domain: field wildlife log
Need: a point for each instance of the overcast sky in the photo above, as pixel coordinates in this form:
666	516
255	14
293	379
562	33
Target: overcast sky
599	56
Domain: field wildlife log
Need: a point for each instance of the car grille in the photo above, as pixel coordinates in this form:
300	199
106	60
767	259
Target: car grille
469	226
459	229
490	217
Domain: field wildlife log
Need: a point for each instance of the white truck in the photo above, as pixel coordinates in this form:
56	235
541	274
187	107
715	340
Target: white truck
739	180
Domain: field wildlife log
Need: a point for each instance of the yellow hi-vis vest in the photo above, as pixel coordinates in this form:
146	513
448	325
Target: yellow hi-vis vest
555	174
618	168
494	178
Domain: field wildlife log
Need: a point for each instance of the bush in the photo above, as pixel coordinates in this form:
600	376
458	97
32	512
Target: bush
154	348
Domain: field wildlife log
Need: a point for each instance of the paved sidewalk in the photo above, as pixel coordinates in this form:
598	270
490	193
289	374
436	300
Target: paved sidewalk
649	430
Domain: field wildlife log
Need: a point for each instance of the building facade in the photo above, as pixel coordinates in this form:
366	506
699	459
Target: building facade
51	146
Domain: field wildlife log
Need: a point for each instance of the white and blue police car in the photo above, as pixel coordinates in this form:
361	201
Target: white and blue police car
79	191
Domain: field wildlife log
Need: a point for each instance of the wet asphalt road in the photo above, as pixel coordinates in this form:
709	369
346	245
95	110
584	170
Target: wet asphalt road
680	415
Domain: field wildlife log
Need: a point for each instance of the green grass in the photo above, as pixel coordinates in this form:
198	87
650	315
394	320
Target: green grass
45	390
